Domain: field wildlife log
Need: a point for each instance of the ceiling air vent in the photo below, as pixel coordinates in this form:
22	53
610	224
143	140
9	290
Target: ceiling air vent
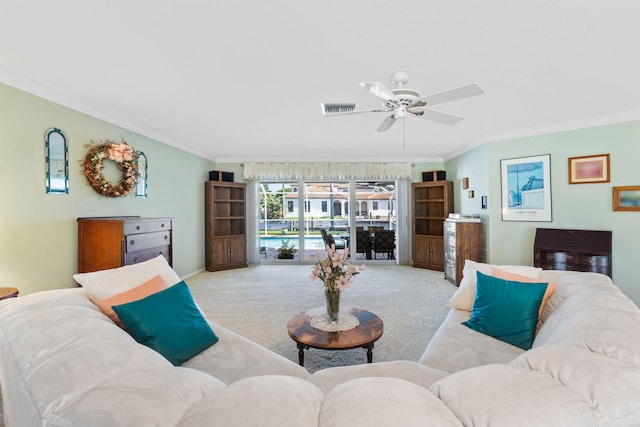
337	108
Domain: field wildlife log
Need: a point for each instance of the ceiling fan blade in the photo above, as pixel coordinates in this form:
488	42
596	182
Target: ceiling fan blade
330	109
436	116
380	90
453	94
387	123
418	103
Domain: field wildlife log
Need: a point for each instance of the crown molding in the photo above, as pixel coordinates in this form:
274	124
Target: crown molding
35	88
554	128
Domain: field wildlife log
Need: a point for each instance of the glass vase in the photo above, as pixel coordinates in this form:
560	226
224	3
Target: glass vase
333	304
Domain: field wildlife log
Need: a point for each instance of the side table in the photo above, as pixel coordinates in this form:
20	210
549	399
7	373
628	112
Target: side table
364	335
8	293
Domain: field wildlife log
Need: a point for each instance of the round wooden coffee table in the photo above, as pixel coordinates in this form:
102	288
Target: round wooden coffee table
363	335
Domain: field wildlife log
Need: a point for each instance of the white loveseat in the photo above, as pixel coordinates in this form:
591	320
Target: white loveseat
64	363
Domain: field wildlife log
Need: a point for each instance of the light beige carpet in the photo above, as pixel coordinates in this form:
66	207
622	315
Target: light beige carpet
257	302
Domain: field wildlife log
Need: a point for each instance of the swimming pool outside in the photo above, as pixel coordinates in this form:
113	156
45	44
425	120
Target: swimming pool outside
310	242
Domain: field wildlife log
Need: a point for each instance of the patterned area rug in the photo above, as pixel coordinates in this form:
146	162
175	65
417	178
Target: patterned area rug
257	302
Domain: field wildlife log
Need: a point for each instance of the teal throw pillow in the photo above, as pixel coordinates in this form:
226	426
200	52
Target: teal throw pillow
169	322
506	310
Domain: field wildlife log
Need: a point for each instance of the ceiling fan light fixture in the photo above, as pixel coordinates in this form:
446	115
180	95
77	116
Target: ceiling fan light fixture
400	113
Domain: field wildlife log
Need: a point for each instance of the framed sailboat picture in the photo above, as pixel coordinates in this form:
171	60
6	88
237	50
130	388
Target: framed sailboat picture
526	188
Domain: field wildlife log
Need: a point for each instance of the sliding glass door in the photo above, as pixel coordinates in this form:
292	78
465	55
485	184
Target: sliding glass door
279	228
326	208
292	215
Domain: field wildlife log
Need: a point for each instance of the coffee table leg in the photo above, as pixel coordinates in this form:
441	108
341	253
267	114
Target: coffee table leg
369	348
301	348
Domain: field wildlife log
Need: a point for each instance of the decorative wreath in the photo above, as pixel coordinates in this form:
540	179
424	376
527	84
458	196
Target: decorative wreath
121	153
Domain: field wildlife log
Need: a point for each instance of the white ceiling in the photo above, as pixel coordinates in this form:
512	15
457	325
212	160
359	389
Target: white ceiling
243	80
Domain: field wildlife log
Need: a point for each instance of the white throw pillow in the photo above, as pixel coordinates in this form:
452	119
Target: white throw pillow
107	283
466	293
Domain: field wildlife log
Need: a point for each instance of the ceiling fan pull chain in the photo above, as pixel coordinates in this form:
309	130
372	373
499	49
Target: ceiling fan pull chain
404	134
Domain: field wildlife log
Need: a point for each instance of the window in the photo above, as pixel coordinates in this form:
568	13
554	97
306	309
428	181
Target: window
290	206
324	206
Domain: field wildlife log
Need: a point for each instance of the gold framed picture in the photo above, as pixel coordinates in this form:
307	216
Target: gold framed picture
626	198
589	169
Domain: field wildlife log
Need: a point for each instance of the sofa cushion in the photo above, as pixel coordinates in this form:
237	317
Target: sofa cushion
611	386
74	349
235	357
146	397
148	288
587	311
107	283
377	401
327	379
261	401
506	310
506	396
465	295
454	347
169	322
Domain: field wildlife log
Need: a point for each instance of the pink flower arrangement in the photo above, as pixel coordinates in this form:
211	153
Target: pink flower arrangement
334	268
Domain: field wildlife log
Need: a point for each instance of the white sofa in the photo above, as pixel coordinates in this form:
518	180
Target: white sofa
64	363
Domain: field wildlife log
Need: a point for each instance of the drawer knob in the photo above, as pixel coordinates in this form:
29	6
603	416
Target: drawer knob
133	242
136	259
162	225
137	227
166	237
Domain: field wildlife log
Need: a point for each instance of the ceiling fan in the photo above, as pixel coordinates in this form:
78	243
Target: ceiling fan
401	101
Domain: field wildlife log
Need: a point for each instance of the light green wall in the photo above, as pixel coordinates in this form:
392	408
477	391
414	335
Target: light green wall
472	165
577	206
418	168
38	246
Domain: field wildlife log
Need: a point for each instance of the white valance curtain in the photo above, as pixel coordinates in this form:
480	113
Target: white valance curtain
326	171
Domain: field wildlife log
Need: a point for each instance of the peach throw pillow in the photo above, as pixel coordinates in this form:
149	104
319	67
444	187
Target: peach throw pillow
150	287
505	275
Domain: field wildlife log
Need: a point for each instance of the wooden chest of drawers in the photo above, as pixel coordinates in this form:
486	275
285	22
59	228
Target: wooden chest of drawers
111	242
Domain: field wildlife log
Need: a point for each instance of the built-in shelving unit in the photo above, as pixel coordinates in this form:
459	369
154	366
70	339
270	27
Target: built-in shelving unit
225	222
432	203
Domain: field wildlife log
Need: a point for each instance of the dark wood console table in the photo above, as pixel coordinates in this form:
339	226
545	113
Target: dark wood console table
576	250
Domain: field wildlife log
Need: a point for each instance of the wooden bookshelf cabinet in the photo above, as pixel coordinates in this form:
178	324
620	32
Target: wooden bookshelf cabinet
432	203
225	222
462	241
